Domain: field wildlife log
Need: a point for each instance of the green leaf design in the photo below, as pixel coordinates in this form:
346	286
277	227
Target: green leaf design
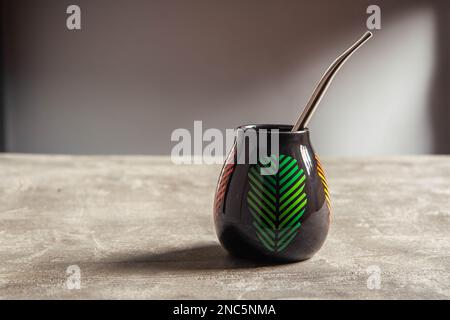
277	201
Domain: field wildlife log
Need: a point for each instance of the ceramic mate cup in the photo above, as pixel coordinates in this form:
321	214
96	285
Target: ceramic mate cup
281	215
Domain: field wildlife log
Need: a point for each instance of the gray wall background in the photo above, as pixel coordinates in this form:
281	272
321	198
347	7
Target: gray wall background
139	69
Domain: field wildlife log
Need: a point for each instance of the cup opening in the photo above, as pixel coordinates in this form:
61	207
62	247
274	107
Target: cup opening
283	128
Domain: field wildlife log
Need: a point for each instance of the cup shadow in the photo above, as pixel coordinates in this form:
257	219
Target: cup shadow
199	257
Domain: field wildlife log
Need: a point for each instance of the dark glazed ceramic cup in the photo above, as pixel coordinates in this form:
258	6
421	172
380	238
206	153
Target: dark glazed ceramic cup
279	215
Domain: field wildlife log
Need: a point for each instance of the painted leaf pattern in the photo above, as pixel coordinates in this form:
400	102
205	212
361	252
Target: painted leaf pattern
277	201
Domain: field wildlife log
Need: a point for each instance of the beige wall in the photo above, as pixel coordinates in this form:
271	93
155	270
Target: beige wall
139	69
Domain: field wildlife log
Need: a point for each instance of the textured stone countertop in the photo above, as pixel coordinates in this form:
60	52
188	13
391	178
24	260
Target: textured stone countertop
140	227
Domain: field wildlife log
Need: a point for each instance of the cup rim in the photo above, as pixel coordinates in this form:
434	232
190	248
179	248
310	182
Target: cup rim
283	128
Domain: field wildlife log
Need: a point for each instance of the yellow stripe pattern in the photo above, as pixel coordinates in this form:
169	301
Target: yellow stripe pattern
321	174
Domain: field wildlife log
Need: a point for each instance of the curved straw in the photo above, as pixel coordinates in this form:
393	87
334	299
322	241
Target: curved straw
322	87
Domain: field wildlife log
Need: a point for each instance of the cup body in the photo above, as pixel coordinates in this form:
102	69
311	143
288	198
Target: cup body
277	208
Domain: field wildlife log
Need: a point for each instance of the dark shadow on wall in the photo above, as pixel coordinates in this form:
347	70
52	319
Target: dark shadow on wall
179	54
151	56
439	96
2	82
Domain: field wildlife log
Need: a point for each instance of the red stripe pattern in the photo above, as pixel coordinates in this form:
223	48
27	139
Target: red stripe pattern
222	186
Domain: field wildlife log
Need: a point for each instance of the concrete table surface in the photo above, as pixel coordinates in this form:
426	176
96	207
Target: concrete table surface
141	227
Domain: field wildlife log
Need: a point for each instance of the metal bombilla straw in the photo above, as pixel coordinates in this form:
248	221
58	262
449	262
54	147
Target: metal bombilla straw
324	83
